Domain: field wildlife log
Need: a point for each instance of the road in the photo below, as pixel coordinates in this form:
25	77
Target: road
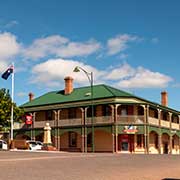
77	166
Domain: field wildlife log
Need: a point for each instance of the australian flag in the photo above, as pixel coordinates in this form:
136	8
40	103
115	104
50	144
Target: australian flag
7	73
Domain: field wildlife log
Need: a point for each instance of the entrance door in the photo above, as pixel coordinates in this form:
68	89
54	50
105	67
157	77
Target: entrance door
165	148
126	142
124	146
72	139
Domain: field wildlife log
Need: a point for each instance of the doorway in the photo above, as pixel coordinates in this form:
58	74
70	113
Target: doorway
165	148
72	139
126	142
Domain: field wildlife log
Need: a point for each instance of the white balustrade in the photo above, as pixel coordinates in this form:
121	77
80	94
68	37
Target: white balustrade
175	125
69	122
40	124
99	120
165	123
133	119
153	121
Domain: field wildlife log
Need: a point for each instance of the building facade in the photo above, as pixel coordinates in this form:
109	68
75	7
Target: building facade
110	121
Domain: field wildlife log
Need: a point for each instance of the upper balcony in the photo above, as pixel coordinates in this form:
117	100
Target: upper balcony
153	121
68	122
104	114
165	123
133	119
99	120
174	125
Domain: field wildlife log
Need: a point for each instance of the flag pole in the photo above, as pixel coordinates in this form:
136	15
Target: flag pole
12	101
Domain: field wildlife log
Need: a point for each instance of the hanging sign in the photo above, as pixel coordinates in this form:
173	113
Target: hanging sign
28	119
130	129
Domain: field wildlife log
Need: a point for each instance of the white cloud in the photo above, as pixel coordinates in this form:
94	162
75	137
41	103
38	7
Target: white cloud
44	46
144	78
120	72
8	45
9	48
78	49
119	43
60	47
52	73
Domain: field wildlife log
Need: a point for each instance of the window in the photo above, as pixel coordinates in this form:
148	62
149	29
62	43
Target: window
127	110
175	119
165	116
123	112
89	111
71	113
140	110
72	139
89	140
49	115
106	111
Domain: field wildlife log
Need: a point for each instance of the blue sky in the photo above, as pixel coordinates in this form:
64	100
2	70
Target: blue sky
132	45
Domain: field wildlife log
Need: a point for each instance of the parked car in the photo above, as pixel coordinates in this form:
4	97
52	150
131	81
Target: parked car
3	145
35	145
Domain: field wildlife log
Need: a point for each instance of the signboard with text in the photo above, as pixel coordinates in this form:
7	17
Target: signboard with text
28	119
130	129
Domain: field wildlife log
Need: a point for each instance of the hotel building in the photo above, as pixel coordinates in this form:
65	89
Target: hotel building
110	121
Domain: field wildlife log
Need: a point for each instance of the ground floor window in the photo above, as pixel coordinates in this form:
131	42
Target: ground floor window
89	140
72	139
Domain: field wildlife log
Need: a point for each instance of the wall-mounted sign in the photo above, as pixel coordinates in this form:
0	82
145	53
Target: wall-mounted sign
130	129
28	119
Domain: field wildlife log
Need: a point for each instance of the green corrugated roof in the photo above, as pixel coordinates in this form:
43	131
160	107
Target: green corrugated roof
83	94
78	94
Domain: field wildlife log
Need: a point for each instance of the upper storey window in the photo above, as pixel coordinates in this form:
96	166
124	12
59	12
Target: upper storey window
49	115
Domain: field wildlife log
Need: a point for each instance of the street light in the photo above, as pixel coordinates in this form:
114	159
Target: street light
90	78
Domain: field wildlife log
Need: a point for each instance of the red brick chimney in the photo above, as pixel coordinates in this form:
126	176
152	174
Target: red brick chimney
68	85
31	96
164	98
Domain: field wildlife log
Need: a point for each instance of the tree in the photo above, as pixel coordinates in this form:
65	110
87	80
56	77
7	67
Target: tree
5	109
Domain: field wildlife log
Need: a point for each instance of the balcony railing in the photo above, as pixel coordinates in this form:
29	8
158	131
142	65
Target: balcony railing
165	123
99	120
153	121
175	125
40	124
130	119
69	122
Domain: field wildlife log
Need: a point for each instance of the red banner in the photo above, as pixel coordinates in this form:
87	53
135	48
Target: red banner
28	119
